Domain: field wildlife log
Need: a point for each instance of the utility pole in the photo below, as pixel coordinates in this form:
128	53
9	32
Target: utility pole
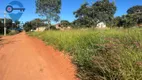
4	23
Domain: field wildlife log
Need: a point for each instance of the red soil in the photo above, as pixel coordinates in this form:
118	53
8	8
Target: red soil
26	58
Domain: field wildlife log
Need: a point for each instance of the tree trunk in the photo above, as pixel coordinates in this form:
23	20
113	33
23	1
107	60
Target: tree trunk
49	24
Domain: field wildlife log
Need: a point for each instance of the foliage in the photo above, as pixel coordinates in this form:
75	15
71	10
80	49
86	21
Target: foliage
100	54
8	25
13	32
101	11
28	26
1	27
133	18
17	22
33	24
65	23
135	9
49	9
136	12
117	22
128	21
37	23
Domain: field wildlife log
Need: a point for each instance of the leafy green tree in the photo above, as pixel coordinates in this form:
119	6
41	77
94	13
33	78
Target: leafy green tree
139	19
117	22
101	11
0	23
135	9
1	27
83	15
17	23
65	23
37	23
133	18
9	23
49	9
128	21
27	26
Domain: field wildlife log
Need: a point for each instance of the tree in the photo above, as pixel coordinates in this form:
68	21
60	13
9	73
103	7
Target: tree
65	23
17	23
37	23
128	21
1	26
135	9
117	22
33	24
0	23
9	23
139	19
83	15
27	26
134	16
101	11
49	9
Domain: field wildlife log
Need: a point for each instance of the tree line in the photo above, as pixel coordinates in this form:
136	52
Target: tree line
103	11
88	15
9	25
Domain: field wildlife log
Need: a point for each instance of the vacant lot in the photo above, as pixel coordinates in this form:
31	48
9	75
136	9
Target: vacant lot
114	54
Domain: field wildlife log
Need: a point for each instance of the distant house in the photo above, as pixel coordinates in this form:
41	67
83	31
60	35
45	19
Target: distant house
58	26
101	25
40	29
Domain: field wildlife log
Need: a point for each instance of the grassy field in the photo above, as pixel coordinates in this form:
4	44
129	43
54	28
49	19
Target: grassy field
112	54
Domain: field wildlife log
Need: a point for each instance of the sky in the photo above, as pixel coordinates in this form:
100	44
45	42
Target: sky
68	7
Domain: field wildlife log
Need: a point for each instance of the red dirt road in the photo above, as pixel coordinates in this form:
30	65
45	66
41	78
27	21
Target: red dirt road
26	58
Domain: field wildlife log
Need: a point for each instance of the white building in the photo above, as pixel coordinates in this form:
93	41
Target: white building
101	25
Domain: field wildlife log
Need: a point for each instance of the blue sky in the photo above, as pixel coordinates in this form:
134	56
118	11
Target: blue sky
68	7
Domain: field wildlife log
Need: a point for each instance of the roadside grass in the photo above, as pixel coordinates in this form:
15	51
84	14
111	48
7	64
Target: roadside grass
111	54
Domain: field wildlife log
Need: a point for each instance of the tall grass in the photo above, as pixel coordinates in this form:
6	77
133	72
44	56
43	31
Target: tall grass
114	54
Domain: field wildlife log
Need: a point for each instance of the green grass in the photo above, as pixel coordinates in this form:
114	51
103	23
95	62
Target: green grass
112	54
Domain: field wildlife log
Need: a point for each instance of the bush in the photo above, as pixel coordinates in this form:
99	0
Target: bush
13	32
101	55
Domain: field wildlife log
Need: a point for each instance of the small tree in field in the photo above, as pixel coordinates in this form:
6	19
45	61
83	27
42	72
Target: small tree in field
49	9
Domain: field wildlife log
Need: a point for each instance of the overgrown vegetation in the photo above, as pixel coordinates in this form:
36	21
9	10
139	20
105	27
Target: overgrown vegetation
114	54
